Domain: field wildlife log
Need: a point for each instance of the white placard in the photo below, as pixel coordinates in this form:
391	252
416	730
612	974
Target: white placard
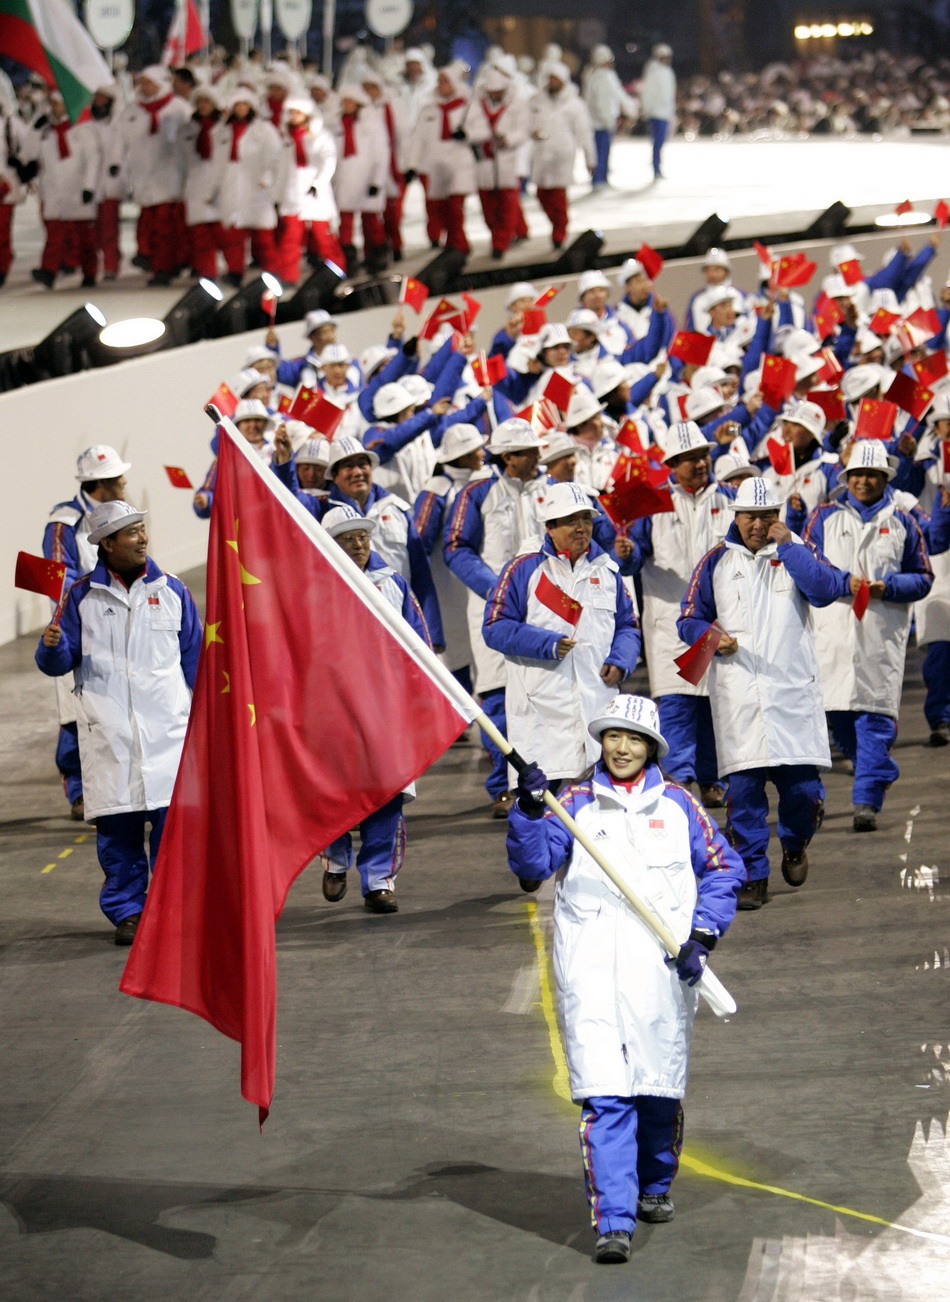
244	18
109	21
293	17
388	17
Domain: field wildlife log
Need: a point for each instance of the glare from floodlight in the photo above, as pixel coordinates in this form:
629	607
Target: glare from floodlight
802	33
96	313
136	332
273	284
910	218
211	288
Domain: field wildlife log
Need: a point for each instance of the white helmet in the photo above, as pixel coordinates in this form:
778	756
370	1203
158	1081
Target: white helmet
100	462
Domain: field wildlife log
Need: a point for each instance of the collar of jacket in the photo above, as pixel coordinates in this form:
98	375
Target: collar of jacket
101	577
733	538
376	563
375	493
646	794
593	553
868	513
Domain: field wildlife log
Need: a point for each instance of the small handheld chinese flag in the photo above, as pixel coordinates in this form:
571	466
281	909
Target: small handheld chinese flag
177	477
931	369
778	379
318	411
763	253
941	213
861	599
489	370
37	574
827	315
909	395
851	271
284	404
694	662
780	456
793	270
636	489
926	319
691	347
876	418
946	456
831	403
831	370
224	400
650	260
628	436
533	321
544	298
413	292
558	390
557	601
472	309
882	322
268	307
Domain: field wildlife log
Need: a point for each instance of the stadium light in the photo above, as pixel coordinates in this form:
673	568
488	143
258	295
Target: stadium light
134	337
909	217
243	310
186	320
66	349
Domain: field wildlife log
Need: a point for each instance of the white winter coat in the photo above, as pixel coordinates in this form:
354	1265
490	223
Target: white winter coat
449	164
248	185
63	180
658	91
366	169
18	140
560	126
110	150
203	176
501	171
806	480
606	99
296	183
153	161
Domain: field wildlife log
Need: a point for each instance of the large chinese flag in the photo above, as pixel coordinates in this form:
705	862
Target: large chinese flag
290	744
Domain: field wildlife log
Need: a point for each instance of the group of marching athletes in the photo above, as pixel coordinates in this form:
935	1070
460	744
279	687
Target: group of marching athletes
487	513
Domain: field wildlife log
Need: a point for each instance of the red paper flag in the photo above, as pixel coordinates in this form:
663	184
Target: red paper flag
764	253
284	404
941	213
861	599
926	319
413	292
224	400
315	409
534	319
780	456
544	298
230	852
793	270
946	457
831	403
909	395
875	419
542	415
831	370
931	369
691	347
906	206
628	436
557	600
472	309
778	379
268	307
558	390
650	260
851	271
827	315
37	574
694	662
882	322
489	370
636	489
178	477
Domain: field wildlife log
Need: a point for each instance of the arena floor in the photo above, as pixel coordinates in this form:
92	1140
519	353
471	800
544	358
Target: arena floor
420	1148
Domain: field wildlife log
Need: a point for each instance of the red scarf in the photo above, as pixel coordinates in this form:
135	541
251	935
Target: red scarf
276	107
627	786
446	110
488	146
238	127
391	132
153	107
297	135
61	128
349	134
203	139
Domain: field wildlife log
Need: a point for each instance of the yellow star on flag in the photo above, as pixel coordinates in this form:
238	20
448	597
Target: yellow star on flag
211	633
227	683
253	709
246	577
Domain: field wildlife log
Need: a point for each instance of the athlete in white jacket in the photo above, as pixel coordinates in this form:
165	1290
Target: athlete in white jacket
70	166
560	126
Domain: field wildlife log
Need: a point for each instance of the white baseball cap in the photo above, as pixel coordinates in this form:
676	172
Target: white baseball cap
717	258
110	517
314	320
391	399
591	280
869	454
686	436
631	714
315	452
513	435
562	500
809	415
344	519
583	406
520	289
703	402
755	495
345	448
100	462
459	440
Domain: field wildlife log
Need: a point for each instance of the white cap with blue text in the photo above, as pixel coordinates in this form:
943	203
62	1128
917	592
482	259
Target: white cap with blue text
344	449
109	517
633	714
344	518
869	454
684	437
562	500
756	495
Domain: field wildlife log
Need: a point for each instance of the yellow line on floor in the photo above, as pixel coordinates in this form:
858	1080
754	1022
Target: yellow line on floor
84	837
696	1165
49	868
63	854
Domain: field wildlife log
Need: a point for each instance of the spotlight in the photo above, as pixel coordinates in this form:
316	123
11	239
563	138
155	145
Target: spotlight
581	255
705	237
243	310
317	291
368	293
133	337
909	217
830	224
441	274
65	350
186	321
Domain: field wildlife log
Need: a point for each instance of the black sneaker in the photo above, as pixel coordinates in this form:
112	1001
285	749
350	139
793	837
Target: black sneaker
712	794
655	1209
865	818
43	277
529	884
614	1246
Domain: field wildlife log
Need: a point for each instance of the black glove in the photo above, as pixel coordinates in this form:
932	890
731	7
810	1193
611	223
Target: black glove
312	192
838	435
39	123
409	177
532	784
458	134
373	191
691	960
411	347
114	169
25	171
88	196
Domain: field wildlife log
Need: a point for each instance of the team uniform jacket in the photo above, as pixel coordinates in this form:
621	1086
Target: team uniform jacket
815	480
153	159
134	655
563	123
248	184
638	320
66	539
62	180
932	615
862	661
202	176
449	164
766	699
398	593
549	701
364	169
626	1015
306	190
497	164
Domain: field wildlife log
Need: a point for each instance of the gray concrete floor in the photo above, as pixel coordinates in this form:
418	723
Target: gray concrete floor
417	1148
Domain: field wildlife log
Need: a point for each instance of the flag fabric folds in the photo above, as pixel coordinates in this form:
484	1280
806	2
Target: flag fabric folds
37	574
875	419
289	745
47	37
558	601
196	38
413	292
177	477
912	397
862	599
636	489
695	660
691	347
315	409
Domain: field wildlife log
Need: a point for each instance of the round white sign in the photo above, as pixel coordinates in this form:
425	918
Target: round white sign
388	17
293	17
244	18
109	21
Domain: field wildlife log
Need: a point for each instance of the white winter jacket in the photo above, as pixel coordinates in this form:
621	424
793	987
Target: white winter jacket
152	158
247	192
560	126
63	180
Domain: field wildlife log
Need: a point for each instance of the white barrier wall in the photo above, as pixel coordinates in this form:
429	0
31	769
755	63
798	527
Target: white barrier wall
151	409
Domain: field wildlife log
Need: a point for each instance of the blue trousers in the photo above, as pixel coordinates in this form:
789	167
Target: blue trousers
629	1147
867	739
602	139
382	847
493	703
658	129
120	845
937	679
801	798
686	723
67	760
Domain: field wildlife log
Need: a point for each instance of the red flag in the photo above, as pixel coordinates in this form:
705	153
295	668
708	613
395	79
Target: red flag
831	403
196	38
780	456
224	400
931	369
557	600
909	395
946	457
628	436
444	309
315	409
178	477
489	370
793	270
472	309
778	379
691	347
533	321
284	404
905	206
875	419
37	574
827	315
649	260
882	322
851	271
832	369
544	298
941	213
542	415
413	292
268	307
764	253
636	489
558	390
861	599
230	851
926	319
694	662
